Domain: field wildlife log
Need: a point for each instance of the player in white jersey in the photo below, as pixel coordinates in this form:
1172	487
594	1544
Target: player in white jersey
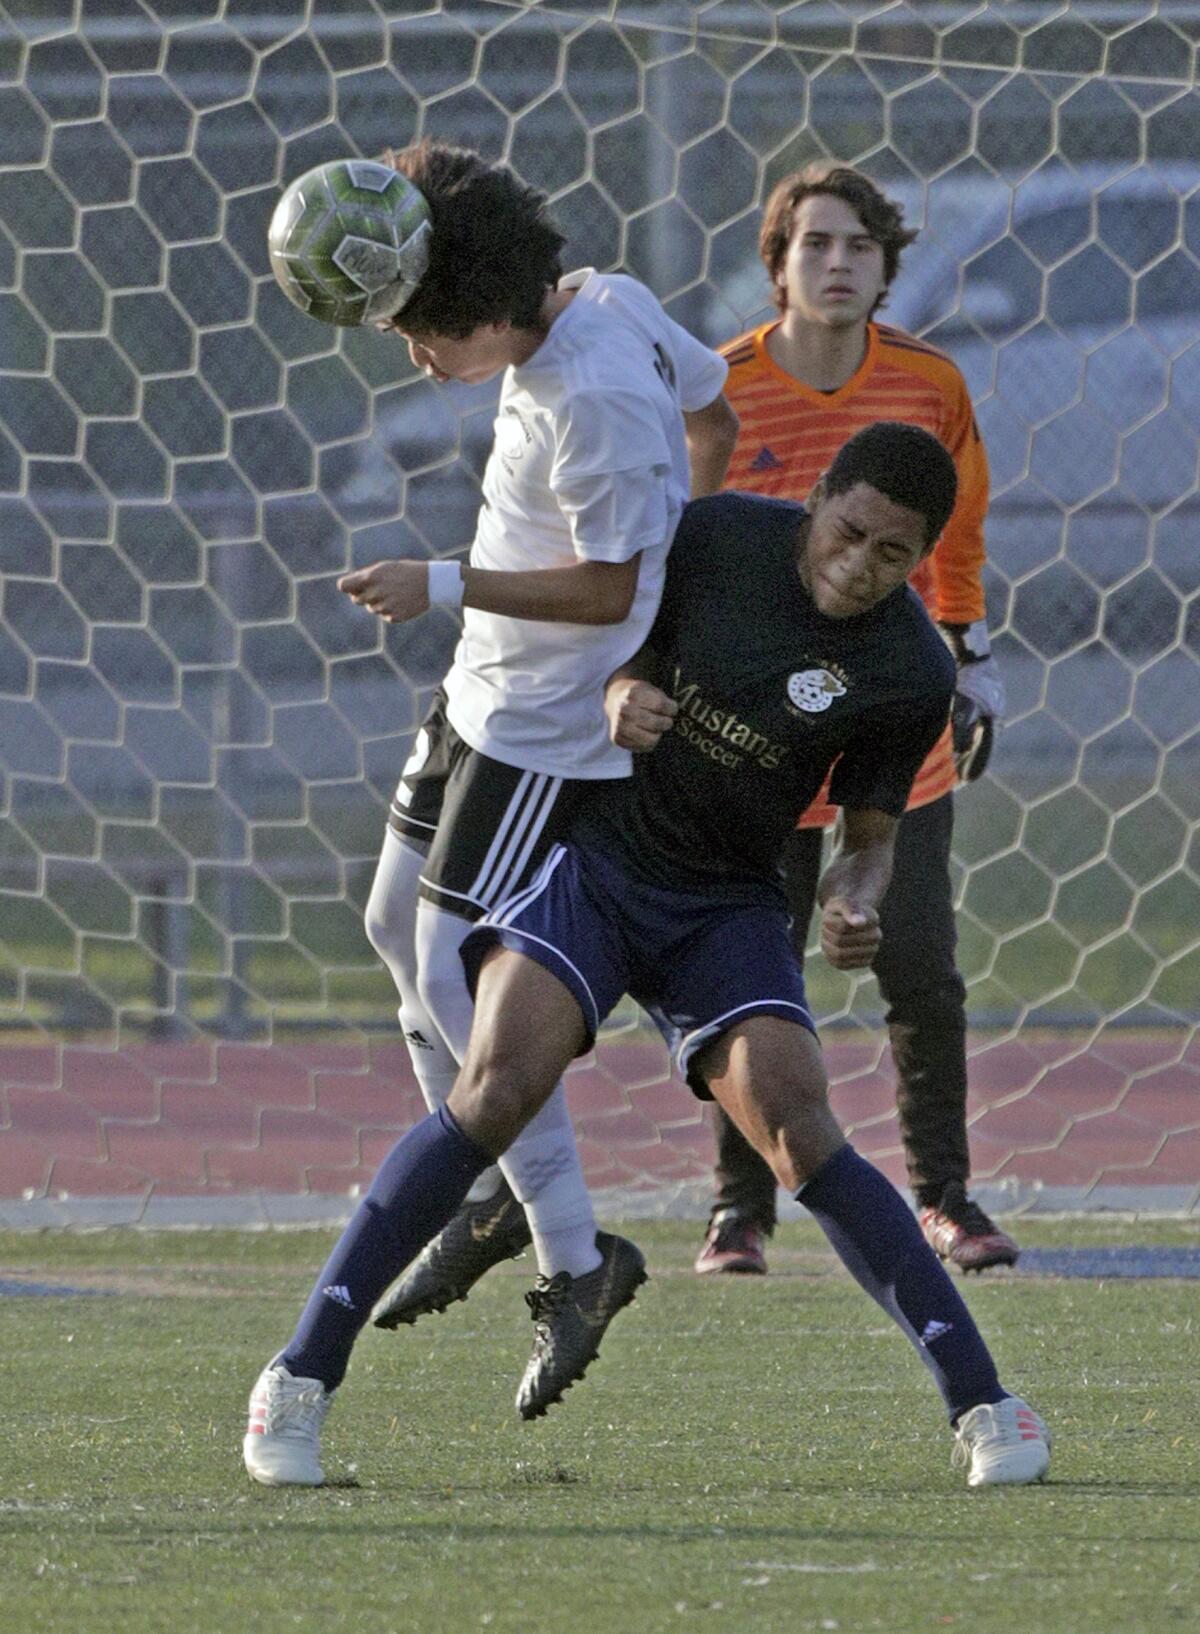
606	404
590	464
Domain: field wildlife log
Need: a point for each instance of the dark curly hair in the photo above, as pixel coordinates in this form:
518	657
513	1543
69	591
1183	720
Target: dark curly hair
492	252
906	464
883	220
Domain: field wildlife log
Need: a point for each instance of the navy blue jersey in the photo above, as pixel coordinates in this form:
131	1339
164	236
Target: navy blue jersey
771	693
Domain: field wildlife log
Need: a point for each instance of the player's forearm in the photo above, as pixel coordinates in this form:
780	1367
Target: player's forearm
862	867
711	436
857	876
585	593
851	890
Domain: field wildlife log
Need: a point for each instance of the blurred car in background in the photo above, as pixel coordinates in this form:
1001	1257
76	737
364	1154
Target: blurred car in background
1071	303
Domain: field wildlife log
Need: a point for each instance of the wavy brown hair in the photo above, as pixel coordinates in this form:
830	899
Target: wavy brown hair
882	219
493	254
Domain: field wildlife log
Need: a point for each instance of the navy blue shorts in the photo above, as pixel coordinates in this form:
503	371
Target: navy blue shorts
696	964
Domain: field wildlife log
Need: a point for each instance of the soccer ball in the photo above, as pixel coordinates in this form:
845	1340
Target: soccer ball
349	241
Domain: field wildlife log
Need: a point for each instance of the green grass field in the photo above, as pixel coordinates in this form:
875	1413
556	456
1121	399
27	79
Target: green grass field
751	1456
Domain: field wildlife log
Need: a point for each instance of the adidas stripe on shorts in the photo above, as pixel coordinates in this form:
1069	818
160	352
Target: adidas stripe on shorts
483	826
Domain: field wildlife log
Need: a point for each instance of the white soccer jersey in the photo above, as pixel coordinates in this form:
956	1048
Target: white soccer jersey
589	463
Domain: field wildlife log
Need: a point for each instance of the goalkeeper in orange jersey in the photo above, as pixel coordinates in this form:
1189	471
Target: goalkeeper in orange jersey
801	385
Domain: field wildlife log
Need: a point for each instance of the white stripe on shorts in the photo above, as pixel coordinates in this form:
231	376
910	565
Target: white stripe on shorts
516	835
502	916
505	912
689	1043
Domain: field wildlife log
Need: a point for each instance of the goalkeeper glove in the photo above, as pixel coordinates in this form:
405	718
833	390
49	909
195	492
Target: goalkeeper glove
978	698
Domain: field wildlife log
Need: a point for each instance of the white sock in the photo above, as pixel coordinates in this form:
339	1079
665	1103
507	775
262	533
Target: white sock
390	923
542	1164
564	1236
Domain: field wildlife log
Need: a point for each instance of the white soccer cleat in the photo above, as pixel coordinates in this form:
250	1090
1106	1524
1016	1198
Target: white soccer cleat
282	1444
1003	1445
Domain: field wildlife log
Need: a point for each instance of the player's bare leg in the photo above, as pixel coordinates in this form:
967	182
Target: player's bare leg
491	1226
527	1030
541	1166
768	1075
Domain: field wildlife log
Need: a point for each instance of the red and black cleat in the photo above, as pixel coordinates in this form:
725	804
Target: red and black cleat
959	1231
733	1245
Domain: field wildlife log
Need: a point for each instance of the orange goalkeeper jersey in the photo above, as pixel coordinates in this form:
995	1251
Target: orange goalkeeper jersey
789	433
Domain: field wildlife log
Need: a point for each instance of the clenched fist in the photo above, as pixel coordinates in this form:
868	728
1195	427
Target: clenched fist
850	935
396	591
638	713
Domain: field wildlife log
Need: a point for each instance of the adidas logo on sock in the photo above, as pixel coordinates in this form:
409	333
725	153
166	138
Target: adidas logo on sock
417	1039
340	1295
934	1331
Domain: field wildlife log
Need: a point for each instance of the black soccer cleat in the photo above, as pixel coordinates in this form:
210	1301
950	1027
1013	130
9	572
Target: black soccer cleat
479	1236
570	1315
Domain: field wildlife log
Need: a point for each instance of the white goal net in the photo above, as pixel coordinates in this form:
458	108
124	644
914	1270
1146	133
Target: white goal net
199	736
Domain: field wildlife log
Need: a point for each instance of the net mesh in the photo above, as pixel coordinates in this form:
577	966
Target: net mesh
199	735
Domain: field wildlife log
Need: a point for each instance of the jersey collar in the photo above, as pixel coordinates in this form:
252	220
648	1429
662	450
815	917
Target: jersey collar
583	282
809	393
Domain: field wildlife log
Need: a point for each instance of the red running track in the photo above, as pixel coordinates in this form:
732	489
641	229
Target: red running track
210	1118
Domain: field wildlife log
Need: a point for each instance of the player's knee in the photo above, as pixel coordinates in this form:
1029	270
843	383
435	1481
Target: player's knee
799	1129
442	988
384	931
495	1096
388	923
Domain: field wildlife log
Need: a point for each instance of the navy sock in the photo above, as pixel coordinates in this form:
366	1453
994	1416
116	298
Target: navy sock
879	1242
420	1184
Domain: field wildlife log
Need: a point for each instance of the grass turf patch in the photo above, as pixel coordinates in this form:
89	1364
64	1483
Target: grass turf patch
746	1455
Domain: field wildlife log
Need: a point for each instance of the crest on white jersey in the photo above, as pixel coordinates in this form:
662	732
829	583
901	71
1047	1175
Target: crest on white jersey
813	690
512	437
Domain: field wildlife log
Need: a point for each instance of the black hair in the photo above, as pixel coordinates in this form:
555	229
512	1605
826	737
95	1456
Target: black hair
907	465
493	254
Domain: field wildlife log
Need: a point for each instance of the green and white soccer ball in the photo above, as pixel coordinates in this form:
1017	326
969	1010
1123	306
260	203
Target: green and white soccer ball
349	241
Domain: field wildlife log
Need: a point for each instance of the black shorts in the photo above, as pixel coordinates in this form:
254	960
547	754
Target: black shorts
484	827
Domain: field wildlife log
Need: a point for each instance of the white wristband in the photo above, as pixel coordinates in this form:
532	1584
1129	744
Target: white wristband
445	584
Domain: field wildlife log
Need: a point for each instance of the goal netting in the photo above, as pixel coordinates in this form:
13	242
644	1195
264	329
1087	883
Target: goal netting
199	736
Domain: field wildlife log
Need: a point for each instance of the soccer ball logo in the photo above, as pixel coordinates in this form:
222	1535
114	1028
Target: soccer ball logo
813	690
349	241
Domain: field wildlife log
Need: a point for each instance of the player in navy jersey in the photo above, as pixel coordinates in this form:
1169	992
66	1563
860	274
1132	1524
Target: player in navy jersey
825	366
787	640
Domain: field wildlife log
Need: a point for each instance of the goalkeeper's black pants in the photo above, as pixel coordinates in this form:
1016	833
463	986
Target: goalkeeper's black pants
926	1013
